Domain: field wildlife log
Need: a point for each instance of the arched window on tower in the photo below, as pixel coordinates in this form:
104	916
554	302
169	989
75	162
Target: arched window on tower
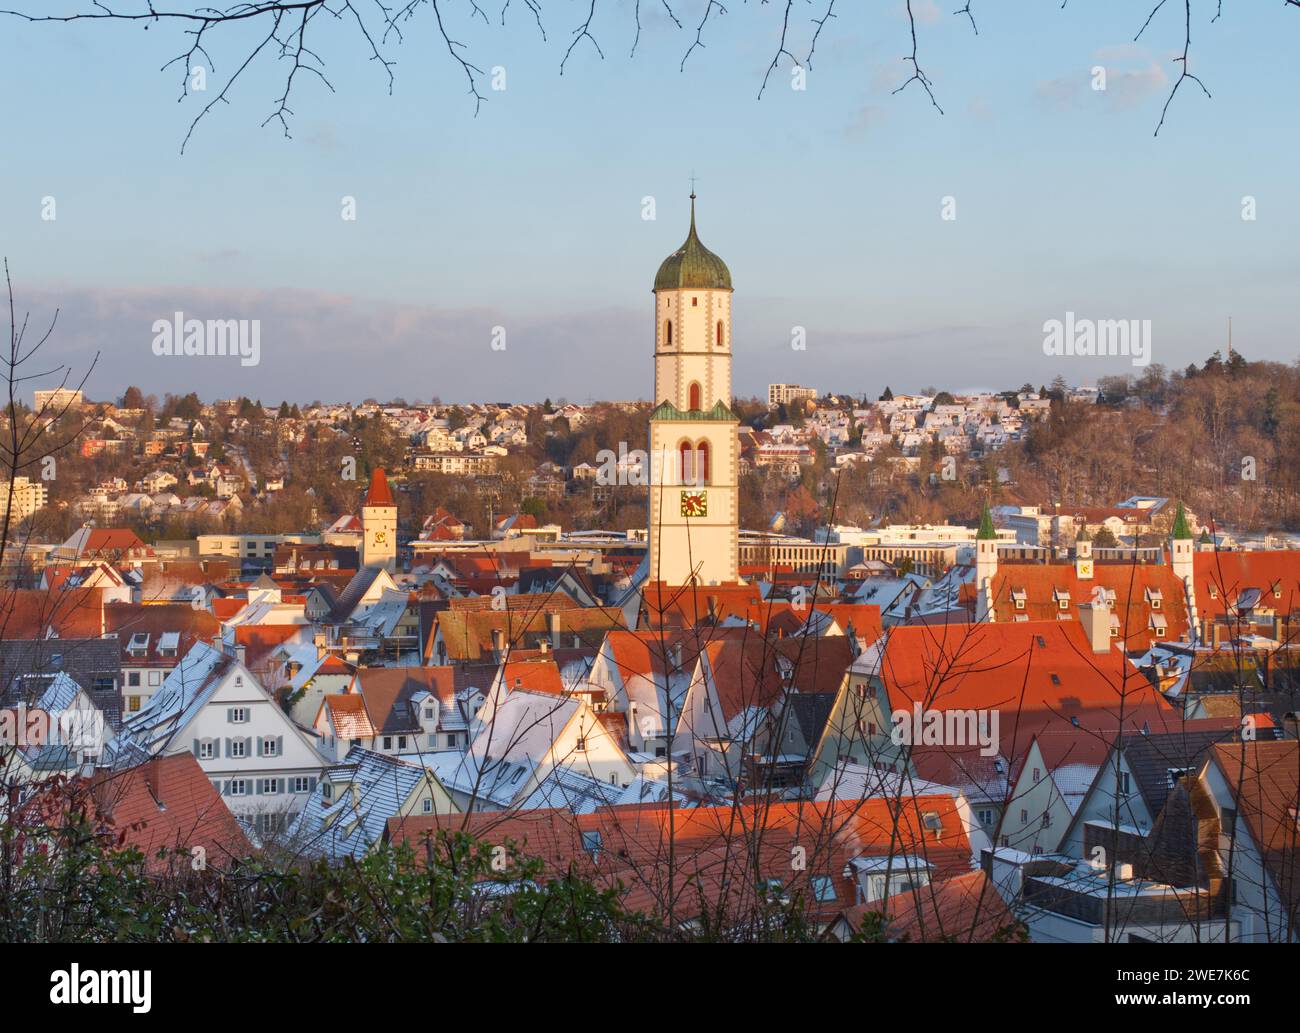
702	462
668	332
695	396
719	336
688	463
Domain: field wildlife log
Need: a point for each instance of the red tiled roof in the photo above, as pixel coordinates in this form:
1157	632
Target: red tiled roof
31	613
1219	579
386	692
1131	584
379	494
750	671
106	540
686	607
334	665
224	609
721	853
532	676
165	804
1038	674
966	909
155	620
863	619
259	640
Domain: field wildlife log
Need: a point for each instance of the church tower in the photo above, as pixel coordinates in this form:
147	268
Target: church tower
986	567
379	525
694	451
1182	556
1083	554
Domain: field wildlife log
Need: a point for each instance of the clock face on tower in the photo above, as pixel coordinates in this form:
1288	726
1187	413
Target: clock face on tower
695	503
1085	568
381	537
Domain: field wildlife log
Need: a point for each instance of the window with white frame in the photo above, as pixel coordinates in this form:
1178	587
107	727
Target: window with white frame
238	787
302	784
237	715
237	748
270	746
270	787
206	749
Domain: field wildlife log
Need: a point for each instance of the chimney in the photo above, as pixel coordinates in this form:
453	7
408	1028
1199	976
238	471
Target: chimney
553	624
713	609
498	643
1216	631
544	645
153	780
1096	625
1277	627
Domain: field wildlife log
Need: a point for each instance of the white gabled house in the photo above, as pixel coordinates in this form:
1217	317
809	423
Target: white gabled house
211	705
523	743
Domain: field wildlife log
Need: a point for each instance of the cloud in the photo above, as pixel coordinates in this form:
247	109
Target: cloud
221	256
866	118
924	11
1132	76
1059	94
1127	90
330	346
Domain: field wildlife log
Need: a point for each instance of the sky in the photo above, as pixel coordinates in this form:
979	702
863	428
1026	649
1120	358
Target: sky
827	203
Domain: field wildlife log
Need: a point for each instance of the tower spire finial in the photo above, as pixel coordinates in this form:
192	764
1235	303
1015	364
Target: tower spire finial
692	201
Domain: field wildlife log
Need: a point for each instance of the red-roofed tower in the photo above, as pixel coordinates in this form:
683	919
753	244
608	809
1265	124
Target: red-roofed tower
379	524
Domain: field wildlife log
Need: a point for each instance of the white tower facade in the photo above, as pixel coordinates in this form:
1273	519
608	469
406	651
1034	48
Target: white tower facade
986	568
694	514
1182	555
